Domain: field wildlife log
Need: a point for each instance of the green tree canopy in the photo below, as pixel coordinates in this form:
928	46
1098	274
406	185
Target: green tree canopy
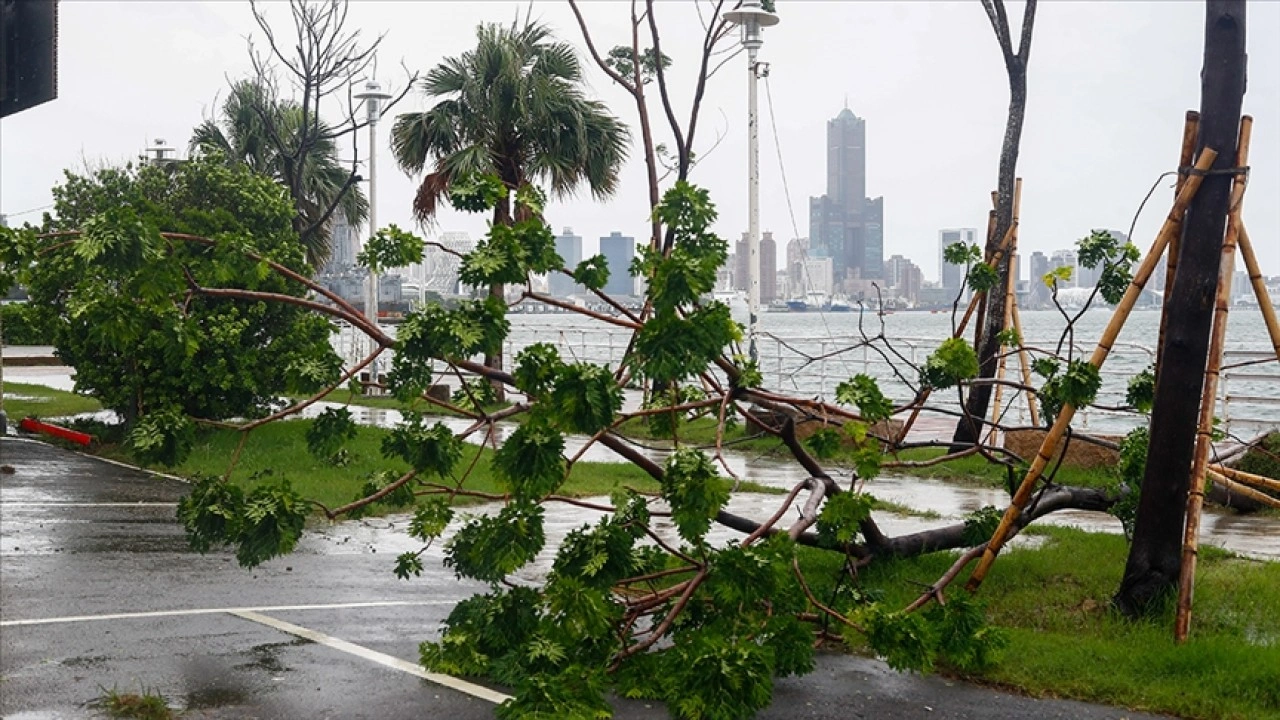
512	107
265	135
118	295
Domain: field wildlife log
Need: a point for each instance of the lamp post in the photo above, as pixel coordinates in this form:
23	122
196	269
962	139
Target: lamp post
373	96
752	18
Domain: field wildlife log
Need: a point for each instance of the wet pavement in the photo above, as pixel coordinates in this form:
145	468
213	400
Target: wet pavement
98	591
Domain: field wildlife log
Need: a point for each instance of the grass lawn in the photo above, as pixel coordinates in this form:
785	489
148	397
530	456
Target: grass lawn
344	396
279	450
22	400
1066	642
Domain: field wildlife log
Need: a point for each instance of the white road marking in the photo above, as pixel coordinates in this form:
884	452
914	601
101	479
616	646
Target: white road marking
55	504
135	468
215	611
359	651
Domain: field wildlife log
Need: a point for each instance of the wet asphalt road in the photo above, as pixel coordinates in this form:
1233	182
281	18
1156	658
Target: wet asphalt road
81	539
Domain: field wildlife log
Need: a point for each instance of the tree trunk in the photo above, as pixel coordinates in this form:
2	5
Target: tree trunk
969	429
501	216
1155	557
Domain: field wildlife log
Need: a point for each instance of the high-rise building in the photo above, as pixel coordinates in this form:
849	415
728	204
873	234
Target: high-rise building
951	276
1065	258
1039	268
903	277
872	258
569	248
818	277
343	245
618	250
440	267
797	253
844	224
768	266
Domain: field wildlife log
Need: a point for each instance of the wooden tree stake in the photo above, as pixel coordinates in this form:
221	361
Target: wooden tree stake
1008	311
1209	395
1260	288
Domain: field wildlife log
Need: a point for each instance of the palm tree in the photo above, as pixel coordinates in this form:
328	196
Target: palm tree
257	131
512	107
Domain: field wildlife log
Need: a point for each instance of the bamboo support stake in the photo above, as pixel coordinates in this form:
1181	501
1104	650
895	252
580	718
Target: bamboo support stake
1024	361
1048	448
1190	131
1260	288
1008	311
1209	394
1243	490
1258	481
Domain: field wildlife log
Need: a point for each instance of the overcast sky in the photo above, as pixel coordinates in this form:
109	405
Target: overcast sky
1108	85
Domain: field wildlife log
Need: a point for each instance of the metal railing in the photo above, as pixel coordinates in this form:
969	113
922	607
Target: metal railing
1248	391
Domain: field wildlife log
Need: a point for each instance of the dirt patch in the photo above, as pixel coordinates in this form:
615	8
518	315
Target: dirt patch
1026	444
807	425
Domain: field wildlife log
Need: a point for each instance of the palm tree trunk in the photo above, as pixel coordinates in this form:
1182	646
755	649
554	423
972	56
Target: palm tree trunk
1155	556
501	216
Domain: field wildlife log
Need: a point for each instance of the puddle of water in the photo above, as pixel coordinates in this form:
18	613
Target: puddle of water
213	697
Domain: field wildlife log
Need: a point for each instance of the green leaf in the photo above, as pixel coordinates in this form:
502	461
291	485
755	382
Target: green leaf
211	513
408	563
864	392
585	398
841	516
531	462
272	521
390	247
749	375
1008	338
537	367
961	254
490	548
429	450
476	192
952	363
1057	275
592	273
983	278
980	525
1080	383
430	519
1045	367
824	442
1141	393
164	437
329	431
691	485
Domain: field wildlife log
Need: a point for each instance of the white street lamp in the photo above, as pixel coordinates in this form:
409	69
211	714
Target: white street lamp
373	96
753	19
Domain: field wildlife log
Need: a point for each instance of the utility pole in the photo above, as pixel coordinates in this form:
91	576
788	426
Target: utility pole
753	18
373	96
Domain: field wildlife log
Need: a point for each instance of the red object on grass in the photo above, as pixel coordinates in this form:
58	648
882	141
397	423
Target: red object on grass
34	425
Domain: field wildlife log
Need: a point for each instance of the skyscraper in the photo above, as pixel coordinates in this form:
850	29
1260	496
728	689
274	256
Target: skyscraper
569	248
440	267
1039	268
952	276
768	266
618	249
844	224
